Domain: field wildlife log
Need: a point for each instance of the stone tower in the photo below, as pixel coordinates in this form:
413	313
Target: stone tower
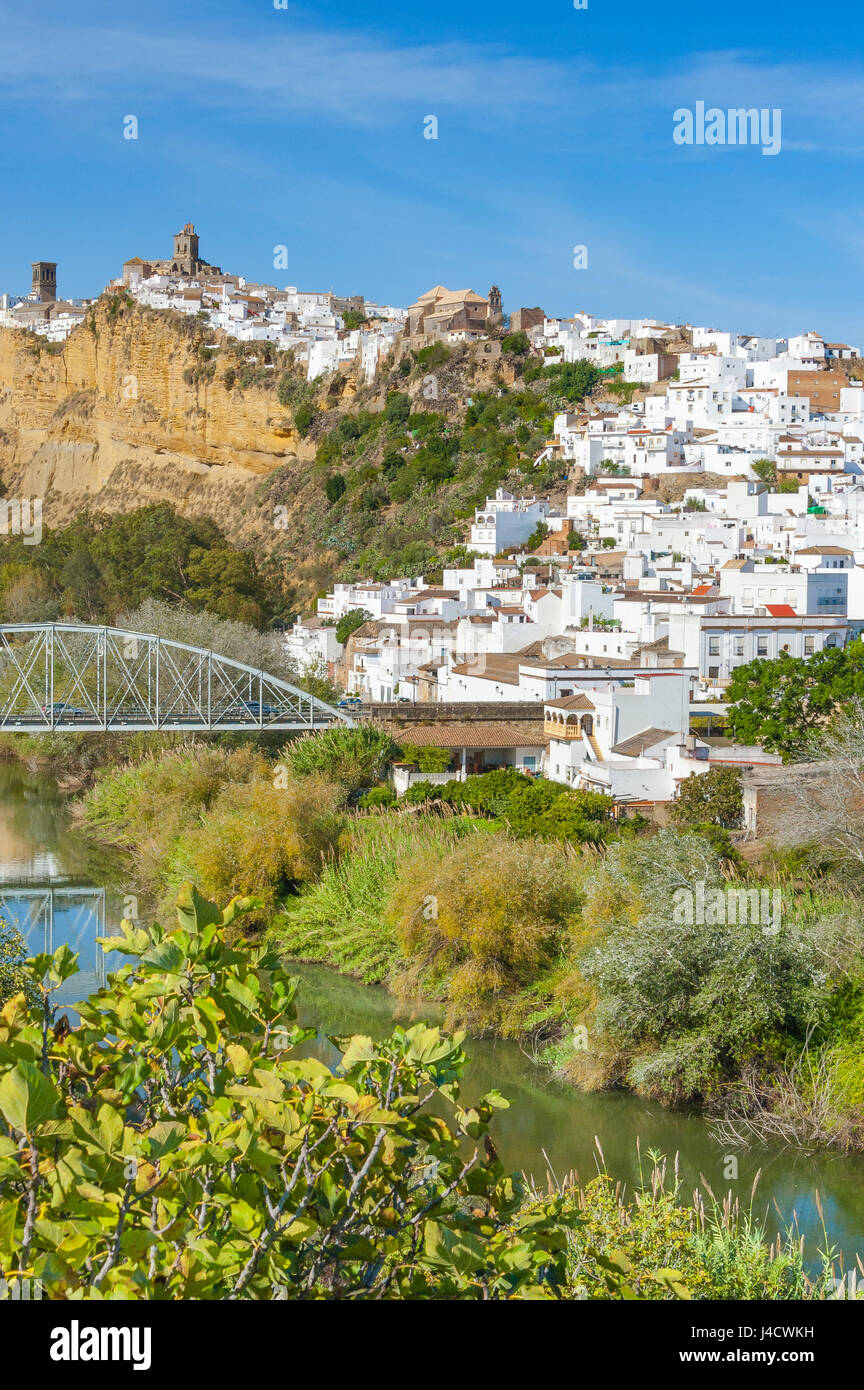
186	249
495	311
44	285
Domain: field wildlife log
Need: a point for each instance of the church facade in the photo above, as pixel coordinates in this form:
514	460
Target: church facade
185	262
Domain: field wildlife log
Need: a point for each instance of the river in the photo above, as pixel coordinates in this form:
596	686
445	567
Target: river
56	888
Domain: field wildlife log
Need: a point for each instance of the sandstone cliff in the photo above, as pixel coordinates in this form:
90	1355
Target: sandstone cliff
113	419
140	406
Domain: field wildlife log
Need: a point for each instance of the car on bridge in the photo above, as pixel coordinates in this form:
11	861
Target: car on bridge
253	709
61	709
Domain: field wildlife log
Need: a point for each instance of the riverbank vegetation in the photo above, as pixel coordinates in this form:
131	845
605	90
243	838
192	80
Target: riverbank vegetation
619	955
242	1169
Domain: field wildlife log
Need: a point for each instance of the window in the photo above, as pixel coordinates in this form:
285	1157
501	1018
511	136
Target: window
713	646
713	673
809	645
739	646
761	646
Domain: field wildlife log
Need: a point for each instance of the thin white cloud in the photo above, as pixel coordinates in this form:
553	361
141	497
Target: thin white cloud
307	71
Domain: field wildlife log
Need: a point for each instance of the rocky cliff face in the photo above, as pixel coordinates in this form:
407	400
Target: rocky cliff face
122	415
133	409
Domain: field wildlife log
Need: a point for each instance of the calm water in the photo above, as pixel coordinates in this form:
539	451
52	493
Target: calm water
55	887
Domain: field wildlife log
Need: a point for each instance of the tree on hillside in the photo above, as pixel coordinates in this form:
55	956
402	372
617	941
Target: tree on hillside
349	622
334	487
99	565
577	380
710	798
517	343
303	416
765	471
398	408
781	704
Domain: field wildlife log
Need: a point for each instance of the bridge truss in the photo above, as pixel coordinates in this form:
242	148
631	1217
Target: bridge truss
72	677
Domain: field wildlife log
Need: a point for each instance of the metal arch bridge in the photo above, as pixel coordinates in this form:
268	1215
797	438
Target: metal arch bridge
69	676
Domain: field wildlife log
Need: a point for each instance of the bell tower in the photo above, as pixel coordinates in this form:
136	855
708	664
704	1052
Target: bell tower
186	248
44	284
495	309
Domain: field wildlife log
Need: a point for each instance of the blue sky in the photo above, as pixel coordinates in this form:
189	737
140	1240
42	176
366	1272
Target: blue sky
304	127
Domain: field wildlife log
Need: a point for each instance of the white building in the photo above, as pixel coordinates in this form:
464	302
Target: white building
505	521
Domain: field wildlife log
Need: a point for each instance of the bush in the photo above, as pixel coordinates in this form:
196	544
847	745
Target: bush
334	487
377	797
340	920
145	806
529	806
689	1001
718	1248
352	757
260	840
223	1164
480	921
430	758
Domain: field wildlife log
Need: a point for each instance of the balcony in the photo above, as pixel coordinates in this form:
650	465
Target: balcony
563	729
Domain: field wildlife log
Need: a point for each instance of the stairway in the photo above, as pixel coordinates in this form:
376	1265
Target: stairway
594	746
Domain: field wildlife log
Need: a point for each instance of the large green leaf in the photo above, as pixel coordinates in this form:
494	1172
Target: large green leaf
27	1098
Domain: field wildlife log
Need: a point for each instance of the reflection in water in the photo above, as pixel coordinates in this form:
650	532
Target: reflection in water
49	916
40	854
45	889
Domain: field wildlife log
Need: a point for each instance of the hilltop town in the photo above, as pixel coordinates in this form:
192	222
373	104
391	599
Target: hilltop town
692	501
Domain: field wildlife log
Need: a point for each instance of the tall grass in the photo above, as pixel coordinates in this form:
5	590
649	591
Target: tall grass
717	1245
146	805
340	920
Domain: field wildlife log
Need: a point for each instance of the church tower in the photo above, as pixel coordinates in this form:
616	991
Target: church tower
495	310
44	285
186	256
